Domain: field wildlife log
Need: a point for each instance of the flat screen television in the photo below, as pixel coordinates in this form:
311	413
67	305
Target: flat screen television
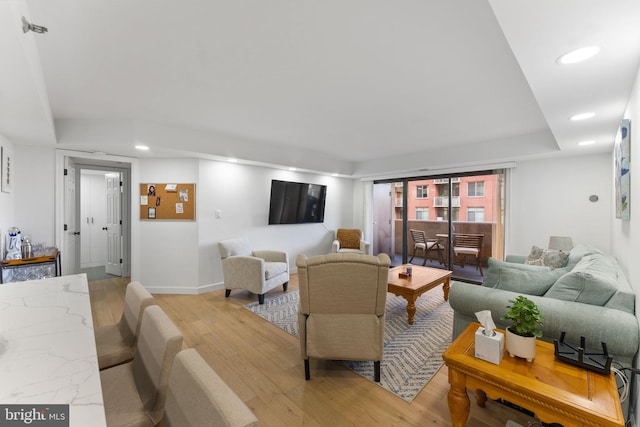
296	202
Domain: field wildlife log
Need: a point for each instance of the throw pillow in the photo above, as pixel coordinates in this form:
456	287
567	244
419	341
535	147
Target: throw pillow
549	257
492	275
530	282
592	281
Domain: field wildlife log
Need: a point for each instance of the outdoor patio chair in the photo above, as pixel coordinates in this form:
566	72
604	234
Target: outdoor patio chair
421	243
465	245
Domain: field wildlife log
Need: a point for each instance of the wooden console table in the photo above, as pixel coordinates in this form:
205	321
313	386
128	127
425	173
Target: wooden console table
553	390
24	263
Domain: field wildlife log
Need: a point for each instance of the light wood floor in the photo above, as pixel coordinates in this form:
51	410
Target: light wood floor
262	364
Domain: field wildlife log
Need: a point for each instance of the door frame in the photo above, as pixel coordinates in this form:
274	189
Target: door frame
100	162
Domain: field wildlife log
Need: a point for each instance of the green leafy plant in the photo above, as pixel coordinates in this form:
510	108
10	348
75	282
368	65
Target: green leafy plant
525	317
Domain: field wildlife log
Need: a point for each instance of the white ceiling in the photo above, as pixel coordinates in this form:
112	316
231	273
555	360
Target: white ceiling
366	84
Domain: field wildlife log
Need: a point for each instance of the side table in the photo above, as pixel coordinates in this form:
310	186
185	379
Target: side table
26	264
553	390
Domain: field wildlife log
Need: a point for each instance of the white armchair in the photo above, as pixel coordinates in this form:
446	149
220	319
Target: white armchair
349	240
254	271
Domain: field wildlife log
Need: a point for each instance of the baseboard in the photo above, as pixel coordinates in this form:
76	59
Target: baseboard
185	291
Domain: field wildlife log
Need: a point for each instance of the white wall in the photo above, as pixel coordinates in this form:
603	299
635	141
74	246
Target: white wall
34	192
625	235
551	197
6	204
183	257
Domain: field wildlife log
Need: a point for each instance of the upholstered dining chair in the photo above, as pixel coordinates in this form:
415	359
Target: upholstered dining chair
135	392
254	271
199	397
341	313
349	240
422	243
116	343
465	245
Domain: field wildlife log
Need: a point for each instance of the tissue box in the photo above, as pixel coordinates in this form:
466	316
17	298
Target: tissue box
490	349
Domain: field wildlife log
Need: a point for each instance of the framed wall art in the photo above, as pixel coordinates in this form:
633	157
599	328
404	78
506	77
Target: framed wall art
622	150
6	169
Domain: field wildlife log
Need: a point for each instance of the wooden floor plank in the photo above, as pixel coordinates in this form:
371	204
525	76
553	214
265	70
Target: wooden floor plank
262	364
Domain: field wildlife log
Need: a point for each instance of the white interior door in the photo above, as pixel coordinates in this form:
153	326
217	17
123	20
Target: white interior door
71	257
114	224
85	223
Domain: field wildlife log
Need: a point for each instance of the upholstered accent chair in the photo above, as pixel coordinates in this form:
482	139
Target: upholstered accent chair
426	246
199	397
116	343
465	245
135	392
341	313
254	271
349	240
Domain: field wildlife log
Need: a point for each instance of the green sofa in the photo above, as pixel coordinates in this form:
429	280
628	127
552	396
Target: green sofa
589	297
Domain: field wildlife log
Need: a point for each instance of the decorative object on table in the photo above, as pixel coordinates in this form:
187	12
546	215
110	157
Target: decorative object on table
522	334
13	244
489	344
583	357
622	155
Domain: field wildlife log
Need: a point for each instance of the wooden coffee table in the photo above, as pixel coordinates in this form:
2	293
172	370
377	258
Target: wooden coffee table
422	280
553	390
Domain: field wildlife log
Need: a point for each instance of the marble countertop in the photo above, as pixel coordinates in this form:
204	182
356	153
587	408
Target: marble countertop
47	347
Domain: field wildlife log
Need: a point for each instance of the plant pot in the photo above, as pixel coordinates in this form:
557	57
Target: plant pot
519	346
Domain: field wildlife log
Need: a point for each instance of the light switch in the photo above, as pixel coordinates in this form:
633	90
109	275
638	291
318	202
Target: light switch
218	213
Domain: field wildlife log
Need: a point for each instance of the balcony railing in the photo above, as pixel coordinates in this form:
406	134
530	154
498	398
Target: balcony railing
443	202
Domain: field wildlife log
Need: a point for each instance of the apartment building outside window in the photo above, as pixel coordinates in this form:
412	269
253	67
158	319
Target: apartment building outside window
475	189
422	214
422	191
475	214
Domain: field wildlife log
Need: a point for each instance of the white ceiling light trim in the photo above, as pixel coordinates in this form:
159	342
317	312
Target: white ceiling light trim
584	143
142	147
578	55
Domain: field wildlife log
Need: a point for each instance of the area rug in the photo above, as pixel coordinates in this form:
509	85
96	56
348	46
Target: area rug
412	353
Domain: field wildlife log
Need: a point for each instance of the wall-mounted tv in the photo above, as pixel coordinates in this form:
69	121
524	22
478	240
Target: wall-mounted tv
296	202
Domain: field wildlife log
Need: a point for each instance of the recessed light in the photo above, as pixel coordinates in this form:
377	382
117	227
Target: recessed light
582	116
583	143
142	147
233	160
293	169
578	55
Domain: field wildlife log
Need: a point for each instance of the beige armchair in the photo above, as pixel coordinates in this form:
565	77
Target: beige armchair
342	307
254	271
349	240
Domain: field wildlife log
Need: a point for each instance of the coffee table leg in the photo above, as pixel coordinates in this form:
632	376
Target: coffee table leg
457	398
445	289
411	308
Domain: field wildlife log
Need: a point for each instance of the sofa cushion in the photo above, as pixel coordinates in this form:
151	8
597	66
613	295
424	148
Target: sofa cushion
530	282
492	276
592	281
549	257
579	252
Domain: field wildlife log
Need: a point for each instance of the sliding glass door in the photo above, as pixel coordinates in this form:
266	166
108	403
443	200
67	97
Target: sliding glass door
425	220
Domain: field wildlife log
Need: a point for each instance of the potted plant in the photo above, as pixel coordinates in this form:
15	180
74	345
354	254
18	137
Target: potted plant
524	329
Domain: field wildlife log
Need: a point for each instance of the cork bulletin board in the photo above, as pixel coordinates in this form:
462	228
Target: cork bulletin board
168	201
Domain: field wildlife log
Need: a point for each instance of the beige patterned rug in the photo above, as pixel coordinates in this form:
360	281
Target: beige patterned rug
412	353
